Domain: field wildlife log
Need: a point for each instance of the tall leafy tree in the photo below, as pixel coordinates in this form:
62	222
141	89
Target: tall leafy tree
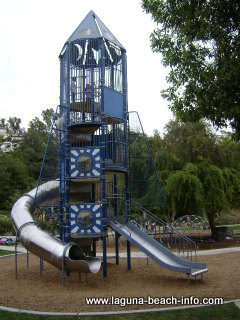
184	194
14	178
35	141
200	43
213	183
189	141
14	126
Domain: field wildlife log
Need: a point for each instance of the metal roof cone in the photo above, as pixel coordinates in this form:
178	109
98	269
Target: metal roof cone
93	28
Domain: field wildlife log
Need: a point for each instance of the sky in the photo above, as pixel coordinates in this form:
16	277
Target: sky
32	34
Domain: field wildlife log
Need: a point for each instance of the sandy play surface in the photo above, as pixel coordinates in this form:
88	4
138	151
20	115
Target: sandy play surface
33	292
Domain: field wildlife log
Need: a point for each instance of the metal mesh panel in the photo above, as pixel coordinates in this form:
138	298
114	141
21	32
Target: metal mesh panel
115	143
50	165
144	180
85	91
113	66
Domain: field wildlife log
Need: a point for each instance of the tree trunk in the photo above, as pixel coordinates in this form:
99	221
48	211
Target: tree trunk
211	216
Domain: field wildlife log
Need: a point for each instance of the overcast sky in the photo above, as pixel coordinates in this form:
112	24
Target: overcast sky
32	34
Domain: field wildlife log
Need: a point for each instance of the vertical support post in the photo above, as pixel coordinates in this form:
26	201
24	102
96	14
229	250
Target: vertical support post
117	247
86	278
103	151
41	266
84	93
64	100
16	257
94	247
61	189
63	270
27	259
125	110
114	144
128	255
115	190
92	93
104	256
67	152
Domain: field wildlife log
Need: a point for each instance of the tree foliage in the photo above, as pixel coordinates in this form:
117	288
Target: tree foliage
35	141
200	43
14	178
199	171
184	193
14	126
19	169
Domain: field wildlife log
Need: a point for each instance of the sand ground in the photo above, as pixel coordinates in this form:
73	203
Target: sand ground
45	293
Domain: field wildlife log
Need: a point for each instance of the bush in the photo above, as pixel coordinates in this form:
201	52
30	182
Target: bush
4	213
6	226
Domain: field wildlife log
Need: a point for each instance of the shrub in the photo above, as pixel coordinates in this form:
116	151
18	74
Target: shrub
6	225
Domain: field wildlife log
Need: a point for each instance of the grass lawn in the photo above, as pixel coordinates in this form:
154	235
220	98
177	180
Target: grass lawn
5	252
234	227
223	312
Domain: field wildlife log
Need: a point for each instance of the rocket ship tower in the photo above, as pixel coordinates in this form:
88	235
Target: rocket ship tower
93	138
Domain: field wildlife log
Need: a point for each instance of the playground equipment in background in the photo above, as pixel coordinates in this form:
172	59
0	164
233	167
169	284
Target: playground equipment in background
96	164
192	221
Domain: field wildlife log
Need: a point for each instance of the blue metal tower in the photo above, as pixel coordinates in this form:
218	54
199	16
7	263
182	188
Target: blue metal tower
94	186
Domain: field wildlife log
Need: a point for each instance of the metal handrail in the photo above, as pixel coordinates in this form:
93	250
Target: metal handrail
185	244
139	226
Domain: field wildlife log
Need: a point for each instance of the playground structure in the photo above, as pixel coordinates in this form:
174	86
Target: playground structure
191	221
87	174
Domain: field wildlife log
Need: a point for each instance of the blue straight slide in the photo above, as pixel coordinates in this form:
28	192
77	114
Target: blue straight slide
157	251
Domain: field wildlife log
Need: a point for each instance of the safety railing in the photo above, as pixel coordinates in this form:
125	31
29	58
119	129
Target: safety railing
86	109
166	234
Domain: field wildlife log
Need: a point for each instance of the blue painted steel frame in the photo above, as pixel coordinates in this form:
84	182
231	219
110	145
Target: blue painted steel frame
67	153
65	158
103	147
124	59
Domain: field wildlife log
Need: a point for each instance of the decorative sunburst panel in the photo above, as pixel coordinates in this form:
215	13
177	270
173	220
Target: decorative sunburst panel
85	162
85	219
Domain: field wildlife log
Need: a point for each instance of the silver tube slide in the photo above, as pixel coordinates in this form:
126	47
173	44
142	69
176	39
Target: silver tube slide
41	243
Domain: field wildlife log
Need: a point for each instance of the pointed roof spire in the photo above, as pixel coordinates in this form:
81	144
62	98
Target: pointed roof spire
92	28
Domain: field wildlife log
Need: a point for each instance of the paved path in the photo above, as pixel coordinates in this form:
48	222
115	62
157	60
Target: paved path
141	254
12	248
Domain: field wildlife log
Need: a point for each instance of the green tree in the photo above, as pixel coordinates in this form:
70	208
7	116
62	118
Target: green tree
48	115
14	178
189	141
232	187
199	42
14	126
184	194
227	153
214	190
35	141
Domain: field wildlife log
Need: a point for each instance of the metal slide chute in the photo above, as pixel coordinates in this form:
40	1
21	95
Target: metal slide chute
41	243
157	251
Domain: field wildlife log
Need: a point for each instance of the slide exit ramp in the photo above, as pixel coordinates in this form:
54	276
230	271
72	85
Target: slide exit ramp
157	251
